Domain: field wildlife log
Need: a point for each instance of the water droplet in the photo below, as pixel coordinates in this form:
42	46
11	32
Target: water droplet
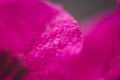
56	41
66	39
36	54
46	45
42	48
37	48
74	39
57	54
81	36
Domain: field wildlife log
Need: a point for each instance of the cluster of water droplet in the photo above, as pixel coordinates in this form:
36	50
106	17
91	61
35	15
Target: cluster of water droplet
53	50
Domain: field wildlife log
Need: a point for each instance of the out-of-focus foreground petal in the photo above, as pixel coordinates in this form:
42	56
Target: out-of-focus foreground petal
21	21
100	57
48	38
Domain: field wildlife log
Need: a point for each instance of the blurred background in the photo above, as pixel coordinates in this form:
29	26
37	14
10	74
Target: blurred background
81	9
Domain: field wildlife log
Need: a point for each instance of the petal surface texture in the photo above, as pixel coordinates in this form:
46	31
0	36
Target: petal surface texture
55	50
47	38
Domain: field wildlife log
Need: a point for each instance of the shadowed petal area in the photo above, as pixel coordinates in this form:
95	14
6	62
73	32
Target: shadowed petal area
11	67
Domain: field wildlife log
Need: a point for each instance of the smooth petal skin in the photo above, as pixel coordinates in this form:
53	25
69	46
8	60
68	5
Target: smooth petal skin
100	56
46	37
21	21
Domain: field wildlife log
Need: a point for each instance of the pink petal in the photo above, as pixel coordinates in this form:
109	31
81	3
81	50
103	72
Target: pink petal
48	38
100	54
55	50
21	21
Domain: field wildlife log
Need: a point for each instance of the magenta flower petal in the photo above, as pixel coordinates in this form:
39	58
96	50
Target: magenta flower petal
53	53
47	37
100	54
21	21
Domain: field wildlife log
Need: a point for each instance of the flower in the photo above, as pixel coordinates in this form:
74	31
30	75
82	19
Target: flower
44	36
48	41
